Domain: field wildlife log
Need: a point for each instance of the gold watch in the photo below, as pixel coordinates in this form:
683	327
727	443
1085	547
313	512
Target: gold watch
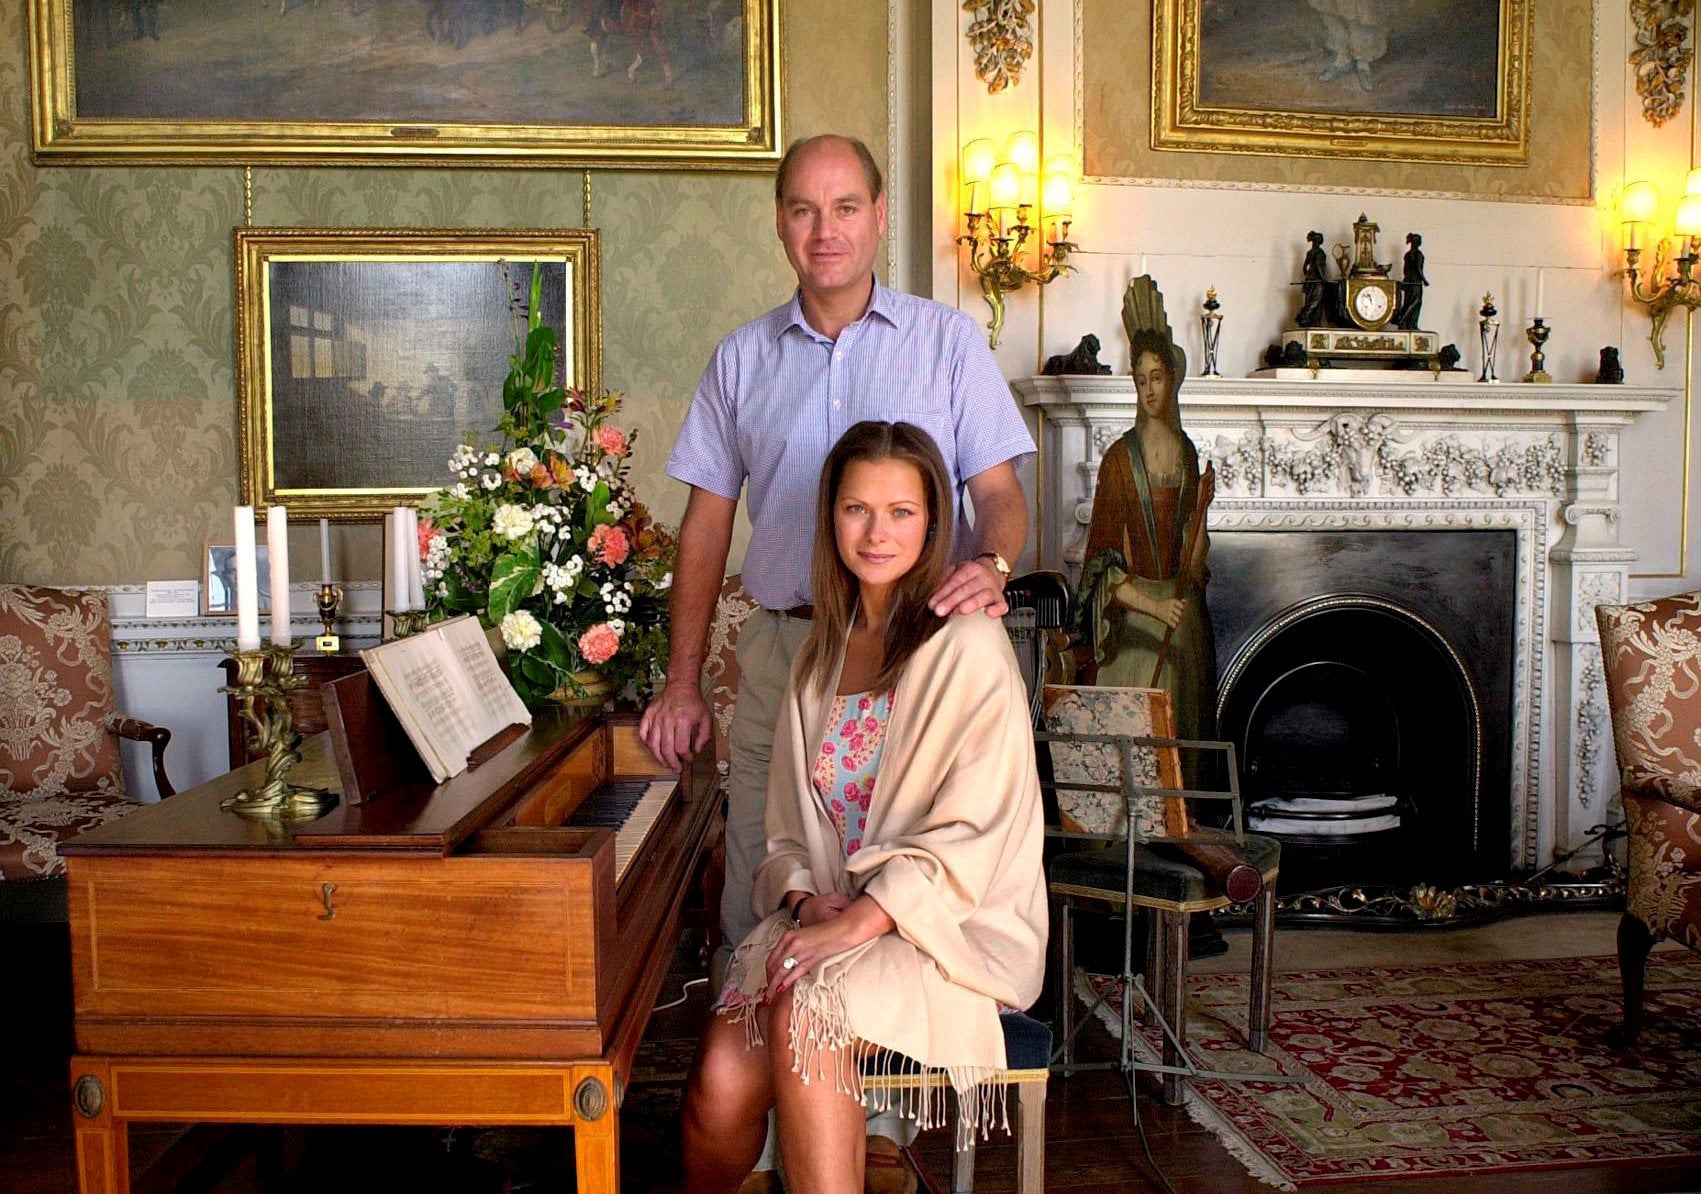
1000	565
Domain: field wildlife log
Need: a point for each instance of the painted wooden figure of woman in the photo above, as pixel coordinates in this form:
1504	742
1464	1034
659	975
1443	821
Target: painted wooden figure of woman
1143	585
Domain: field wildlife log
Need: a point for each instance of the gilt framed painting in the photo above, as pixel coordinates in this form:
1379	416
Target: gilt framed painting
1406	80
365	356
550	82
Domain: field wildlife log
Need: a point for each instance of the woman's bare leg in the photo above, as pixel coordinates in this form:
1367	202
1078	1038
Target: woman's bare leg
727	1099
821	1129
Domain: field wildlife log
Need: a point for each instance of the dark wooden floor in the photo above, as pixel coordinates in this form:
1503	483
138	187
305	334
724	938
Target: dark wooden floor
1092	1143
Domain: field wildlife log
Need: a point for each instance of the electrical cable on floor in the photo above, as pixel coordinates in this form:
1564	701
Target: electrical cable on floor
684	994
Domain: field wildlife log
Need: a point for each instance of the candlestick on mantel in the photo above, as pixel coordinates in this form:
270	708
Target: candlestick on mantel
325	550
1541	293
247	583
277	544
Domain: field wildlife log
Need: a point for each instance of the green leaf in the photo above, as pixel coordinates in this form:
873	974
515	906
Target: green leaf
550	401
596	507
513	579
534	310
536	670
555	648
460	598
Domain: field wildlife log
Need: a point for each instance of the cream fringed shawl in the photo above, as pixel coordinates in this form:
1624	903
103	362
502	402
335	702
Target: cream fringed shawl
951	852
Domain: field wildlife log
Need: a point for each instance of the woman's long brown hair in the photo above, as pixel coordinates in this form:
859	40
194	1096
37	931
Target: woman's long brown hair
834	586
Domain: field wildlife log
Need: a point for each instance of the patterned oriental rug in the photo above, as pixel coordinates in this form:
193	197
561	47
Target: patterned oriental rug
1465	1068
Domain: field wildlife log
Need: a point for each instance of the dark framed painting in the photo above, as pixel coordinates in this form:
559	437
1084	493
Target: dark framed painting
365	356
1403	80
640	82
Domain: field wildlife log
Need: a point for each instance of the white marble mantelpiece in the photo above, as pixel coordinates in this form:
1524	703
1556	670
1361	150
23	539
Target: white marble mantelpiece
1365	454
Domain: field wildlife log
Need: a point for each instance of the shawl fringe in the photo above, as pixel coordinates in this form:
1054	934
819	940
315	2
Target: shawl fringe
824	1046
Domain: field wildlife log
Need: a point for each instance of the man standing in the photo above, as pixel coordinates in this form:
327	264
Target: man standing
776	396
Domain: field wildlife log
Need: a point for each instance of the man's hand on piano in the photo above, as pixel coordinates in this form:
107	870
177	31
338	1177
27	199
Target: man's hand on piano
676	725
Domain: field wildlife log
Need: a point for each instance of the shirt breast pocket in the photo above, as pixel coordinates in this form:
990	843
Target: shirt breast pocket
937	424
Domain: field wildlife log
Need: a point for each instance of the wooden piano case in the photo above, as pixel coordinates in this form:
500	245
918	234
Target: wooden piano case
442	955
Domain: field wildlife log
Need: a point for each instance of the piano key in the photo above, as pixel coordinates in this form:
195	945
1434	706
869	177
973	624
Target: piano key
631	808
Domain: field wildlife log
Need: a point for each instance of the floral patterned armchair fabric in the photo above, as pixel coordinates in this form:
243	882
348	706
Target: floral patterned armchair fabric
60	771
1652	656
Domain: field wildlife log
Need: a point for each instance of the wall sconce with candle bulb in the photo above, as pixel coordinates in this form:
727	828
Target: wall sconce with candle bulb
1638	207
1001	198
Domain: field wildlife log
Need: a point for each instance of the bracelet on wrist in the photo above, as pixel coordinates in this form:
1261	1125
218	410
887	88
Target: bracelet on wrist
797	910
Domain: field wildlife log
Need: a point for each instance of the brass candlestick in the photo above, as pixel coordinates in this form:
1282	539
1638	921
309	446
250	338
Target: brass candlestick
264	680
1537	333
327	599
406	622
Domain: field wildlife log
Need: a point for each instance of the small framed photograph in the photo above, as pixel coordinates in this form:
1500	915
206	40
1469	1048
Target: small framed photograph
218	587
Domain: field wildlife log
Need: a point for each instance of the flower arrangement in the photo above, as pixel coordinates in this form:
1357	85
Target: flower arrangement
543	537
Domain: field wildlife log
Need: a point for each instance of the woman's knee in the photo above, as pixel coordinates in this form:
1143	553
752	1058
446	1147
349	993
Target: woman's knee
729	1082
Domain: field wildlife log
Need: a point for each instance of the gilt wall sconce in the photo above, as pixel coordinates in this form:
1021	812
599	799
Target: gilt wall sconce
1664	293
1002	196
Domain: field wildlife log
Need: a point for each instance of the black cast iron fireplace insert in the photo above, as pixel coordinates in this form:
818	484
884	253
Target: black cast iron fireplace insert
1366	678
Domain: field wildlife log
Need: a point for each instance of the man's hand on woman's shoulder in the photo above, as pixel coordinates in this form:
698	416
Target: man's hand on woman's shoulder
970	586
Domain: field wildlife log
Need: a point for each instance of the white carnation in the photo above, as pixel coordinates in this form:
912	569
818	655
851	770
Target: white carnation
521	631
522	460
511	521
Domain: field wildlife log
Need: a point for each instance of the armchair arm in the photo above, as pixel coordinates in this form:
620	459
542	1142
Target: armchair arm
154	736
1666	791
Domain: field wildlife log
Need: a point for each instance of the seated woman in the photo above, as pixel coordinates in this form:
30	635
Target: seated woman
903	875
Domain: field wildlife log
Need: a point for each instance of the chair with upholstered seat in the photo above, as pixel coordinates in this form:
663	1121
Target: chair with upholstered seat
1027	1060
1112	750
1651	653
60	769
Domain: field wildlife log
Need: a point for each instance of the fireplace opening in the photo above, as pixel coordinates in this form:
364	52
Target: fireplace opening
1360	740
1366	679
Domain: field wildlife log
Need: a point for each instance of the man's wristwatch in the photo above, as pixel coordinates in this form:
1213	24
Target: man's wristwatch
1000	565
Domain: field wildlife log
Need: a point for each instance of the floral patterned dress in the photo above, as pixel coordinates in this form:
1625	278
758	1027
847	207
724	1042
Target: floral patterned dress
848	762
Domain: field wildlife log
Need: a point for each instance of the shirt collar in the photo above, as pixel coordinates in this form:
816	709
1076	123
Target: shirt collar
883	302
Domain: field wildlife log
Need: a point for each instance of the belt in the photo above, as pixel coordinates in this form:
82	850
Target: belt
804	612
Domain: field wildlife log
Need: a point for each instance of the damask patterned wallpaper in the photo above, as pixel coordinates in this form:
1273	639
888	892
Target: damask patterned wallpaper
118	454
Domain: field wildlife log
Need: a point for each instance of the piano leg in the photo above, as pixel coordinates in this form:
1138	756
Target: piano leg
596	1154
103	1141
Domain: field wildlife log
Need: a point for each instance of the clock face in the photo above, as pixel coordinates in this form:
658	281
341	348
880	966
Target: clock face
1370	304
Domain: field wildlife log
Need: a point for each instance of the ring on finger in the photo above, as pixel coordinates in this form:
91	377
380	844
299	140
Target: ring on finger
789	964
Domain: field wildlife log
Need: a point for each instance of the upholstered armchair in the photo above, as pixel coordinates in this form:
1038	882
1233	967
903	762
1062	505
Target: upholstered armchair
1652	656
60	770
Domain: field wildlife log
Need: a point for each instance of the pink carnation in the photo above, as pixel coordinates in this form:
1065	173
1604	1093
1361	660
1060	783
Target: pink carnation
599	643
610	545
611	440
426	532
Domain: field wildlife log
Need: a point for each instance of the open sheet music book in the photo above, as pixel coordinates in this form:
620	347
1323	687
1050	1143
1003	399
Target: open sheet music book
447	690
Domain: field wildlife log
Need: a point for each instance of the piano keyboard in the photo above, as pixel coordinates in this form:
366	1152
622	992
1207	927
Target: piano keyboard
629	807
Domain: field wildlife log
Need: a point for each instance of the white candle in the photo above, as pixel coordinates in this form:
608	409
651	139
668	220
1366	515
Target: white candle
325	550
416	571
394	597
1541	292
247	583
277	543
1142	265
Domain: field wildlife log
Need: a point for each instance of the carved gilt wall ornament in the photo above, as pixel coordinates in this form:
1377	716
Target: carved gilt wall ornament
1662	55
1002	40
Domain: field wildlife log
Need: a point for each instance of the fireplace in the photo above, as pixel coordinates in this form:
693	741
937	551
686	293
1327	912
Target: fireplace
1366	682
1489	517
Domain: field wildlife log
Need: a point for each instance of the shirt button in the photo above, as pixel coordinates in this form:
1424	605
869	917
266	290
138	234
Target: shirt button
837	404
